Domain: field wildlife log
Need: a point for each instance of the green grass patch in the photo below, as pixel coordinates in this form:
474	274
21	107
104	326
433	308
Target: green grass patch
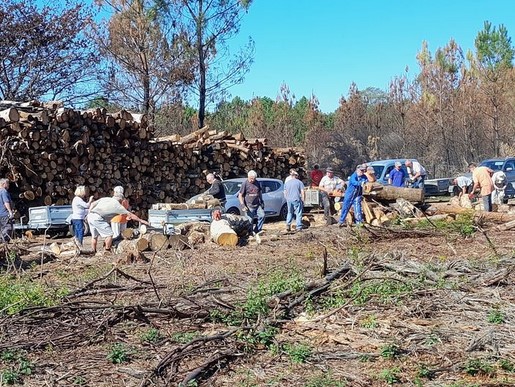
18	293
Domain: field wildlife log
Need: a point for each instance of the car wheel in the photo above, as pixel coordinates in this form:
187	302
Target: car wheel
284	212
234	211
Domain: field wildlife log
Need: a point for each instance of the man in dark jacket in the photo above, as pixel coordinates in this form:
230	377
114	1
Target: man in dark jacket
217	189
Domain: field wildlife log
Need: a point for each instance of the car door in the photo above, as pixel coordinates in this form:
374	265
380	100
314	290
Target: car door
273	196
509	170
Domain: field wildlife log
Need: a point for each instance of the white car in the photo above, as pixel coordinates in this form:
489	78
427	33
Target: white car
273	196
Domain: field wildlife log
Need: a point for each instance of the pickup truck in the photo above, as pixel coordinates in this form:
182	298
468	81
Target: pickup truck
507	165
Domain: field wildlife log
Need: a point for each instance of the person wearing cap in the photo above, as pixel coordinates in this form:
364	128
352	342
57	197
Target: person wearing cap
370	174
397	176
79	211
251	201
416	172
327	186
292	175
119	222
294	194
101	212
354	195
316	175
462	186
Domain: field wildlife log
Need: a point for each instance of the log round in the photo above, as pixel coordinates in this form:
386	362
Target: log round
222	233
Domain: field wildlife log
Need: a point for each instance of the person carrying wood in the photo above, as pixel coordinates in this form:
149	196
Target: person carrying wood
327	186
354	196
371	174
482	177
101	213
294	194
251	201
6	211
417	173
462	186
217	189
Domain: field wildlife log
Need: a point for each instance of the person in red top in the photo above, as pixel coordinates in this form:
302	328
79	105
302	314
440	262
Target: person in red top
316	175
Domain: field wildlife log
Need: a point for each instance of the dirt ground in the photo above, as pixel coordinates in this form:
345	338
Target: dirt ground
353	306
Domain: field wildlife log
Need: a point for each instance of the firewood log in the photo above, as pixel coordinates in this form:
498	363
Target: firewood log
10	115
178	242
222	233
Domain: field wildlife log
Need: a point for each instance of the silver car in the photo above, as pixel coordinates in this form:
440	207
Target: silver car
273	196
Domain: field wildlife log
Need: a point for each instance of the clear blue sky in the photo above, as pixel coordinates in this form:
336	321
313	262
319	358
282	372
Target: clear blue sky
321	46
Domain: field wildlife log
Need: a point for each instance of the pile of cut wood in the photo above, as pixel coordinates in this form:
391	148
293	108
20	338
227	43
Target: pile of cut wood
48	150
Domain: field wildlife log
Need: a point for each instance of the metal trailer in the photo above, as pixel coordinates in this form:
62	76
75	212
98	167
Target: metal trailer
167	219
48	218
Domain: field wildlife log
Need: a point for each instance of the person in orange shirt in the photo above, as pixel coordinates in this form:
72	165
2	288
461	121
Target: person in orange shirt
482	177
119	222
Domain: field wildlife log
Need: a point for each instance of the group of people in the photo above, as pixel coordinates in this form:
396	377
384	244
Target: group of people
107	217
489	184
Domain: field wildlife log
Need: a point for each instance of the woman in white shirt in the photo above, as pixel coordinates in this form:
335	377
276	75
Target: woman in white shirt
79	212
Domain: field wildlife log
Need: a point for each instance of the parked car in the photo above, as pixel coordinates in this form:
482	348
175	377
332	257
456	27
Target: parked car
273	196
432	187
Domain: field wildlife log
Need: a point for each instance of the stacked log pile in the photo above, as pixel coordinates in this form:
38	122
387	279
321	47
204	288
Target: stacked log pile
48	150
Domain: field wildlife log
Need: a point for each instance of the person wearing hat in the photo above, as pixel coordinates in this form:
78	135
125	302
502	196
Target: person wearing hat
316	175
397	176
327	186
119	222
294	194
370	174
293	174
354	195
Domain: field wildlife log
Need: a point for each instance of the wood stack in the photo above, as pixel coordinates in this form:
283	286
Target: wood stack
50	150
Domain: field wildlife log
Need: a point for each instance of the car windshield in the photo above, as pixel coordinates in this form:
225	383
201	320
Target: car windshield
495	165
378	169
232	187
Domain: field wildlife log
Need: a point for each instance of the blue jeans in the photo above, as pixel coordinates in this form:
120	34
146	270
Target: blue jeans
253	213
352	198
419	182
295	209
78	229
487	203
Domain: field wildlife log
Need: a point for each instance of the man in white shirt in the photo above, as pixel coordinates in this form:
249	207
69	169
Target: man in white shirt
328	185
416	172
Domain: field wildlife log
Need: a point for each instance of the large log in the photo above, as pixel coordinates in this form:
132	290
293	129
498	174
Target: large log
222	233
390	193
497	217
10	115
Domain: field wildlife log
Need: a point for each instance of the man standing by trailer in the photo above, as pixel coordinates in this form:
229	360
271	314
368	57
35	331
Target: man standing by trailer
294	194
6	211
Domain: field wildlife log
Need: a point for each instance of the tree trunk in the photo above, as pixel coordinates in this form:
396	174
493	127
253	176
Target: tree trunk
222	234
390	193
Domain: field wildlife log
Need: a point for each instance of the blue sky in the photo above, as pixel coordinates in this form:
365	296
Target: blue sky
321	46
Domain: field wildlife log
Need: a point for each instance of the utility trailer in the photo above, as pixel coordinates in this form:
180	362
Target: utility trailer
167	219
54	219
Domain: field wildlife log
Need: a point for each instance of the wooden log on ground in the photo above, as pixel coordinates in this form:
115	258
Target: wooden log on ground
10	115
222	233
178	242
390	194
506	226
369	215
496	217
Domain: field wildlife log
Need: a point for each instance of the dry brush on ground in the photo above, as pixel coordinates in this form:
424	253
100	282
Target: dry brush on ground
325	307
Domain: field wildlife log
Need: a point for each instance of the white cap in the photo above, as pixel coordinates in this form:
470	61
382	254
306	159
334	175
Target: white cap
118	190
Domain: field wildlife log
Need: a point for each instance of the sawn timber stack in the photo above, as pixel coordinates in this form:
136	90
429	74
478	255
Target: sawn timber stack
49	151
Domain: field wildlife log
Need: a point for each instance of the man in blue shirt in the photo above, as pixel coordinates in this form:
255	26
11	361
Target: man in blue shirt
6	211
397	176
354	195
294	193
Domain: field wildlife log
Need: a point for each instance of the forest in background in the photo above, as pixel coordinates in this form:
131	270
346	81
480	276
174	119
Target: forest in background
170	59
